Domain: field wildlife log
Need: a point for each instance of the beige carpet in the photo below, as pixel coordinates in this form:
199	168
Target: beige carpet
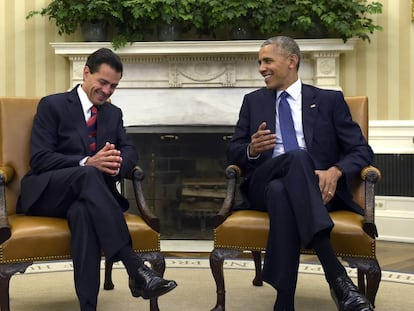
50	287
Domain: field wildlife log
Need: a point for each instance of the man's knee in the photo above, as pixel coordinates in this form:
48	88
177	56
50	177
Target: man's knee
275	189
77	214
90	170
276	186
301	157
90	174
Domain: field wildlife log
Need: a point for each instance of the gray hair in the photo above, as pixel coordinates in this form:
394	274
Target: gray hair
286	44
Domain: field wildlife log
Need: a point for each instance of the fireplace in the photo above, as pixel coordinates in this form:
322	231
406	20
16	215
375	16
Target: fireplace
184	183
180	102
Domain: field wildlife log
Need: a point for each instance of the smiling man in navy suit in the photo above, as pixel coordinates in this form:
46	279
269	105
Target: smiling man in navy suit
297	179
74	172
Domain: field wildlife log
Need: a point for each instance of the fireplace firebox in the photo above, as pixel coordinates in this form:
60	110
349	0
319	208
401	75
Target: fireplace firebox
184	181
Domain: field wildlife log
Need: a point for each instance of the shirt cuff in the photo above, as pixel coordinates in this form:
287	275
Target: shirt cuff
248	155
83	161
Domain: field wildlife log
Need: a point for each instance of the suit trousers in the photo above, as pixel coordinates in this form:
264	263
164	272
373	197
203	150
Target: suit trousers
287	188
95	219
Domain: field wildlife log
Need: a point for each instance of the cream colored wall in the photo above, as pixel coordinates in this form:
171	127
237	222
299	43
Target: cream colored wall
382	69
28	65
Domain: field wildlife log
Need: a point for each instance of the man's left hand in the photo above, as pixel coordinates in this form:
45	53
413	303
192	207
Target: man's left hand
328	180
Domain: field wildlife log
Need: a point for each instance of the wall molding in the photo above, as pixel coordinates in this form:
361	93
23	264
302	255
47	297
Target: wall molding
391	136
394	217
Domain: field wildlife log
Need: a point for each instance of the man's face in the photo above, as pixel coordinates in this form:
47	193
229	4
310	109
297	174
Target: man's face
277	68
100	85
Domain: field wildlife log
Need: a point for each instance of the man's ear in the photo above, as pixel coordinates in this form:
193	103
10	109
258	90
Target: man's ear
294	59
86	71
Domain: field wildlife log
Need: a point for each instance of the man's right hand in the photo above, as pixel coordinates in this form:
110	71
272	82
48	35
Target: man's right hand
261	141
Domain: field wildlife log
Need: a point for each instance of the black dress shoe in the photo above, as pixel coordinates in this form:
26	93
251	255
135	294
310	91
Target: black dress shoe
348	297
147	284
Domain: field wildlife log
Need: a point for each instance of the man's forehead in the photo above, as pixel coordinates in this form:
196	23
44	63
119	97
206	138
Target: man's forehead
270	51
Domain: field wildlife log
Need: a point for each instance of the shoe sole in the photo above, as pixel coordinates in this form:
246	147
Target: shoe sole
155	294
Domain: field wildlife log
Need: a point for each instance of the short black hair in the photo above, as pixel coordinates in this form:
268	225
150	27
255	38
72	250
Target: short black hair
286	44
104	56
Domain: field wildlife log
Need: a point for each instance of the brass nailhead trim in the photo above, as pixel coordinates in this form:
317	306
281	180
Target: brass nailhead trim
242	248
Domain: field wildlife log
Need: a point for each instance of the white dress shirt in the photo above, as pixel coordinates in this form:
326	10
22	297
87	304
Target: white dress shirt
295	102
86	107
85	102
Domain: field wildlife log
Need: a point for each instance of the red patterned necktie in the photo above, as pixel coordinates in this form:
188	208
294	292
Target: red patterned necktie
91	125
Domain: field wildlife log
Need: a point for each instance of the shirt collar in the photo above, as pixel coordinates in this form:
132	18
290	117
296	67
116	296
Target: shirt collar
86	103
294	90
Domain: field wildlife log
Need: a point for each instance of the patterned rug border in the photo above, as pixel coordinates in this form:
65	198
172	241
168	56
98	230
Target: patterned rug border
197	263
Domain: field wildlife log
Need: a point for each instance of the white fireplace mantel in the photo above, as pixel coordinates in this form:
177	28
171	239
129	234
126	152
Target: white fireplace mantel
198	47
198	82
206	63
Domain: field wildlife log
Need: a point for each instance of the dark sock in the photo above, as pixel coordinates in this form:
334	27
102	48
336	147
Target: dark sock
285	301
130	260
321	243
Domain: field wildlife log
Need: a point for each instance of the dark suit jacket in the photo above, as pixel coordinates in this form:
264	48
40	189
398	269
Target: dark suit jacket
332	138
59	140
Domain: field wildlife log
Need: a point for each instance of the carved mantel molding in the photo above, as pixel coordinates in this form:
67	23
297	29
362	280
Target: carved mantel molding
207	63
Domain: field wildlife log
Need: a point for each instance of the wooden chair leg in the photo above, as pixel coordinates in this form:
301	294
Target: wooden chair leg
6	272
257	257
157	261
373	278
4	293
217	257
108	284
361	281
369	276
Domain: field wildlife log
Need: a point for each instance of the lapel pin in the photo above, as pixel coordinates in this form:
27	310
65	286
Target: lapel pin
313	106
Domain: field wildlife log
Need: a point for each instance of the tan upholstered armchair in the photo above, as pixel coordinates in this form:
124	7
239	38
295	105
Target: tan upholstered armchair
353	235
27	239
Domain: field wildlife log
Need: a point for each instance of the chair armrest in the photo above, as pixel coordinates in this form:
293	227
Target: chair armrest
137	176
232	173
6	175
371	175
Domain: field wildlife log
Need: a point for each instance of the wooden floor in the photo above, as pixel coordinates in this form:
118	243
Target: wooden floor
392	256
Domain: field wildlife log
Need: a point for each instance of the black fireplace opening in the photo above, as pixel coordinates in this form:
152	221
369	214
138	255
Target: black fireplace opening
184	181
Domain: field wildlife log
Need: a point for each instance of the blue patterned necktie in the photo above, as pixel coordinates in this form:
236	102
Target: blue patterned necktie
287	128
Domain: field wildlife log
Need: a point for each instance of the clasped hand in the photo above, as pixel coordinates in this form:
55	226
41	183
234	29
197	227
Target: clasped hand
108	160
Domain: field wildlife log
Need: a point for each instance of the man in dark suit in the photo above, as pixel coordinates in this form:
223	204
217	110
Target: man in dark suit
298	178
73	175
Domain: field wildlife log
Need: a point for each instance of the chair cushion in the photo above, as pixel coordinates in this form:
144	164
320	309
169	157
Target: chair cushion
45	238
248	230
144	238
245	229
